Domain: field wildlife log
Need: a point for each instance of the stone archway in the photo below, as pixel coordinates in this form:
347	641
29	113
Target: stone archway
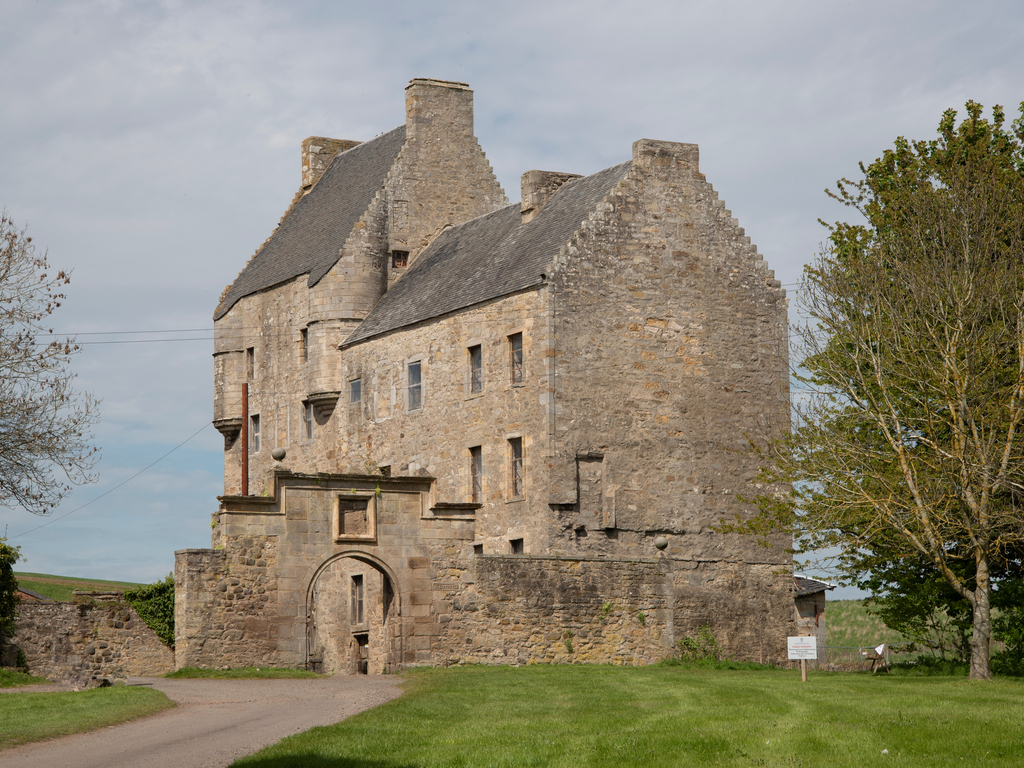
353	612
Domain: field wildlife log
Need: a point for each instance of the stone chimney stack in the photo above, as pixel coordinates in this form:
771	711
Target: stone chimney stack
538	187
438	105
317	153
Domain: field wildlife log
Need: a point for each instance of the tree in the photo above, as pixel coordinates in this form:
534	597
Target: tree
44	422
909	445
8	591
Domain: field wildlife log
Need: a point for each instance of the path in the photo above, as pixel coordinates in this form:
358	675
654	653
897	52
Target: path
215	723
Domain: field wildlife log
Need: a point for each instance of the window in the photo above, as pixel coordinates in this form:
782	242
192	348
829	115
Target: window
476	473
515	446
478	549
415	387
399	259
250	363
476	370
304	344
254	433
307	420
355	392
515	346
357	599
517	546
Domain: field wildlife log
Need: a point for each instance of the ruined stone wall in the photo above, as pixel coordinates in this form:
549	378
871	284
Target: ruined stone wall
225	609
80	641
526	609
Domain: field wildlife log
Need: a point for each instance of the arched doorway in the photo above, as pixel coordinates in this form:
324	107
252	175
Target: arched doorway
352	617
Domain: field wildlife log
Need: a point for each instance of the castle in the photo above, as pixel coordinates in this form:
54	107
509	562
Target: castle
462	430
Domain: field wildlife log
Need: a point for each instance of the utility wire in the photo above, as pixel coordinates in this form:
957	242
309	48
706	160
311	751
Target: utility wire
119	485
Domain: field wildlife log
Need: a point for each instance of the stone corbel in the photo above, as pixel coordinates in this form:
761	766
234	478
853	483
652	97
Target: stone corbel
323	403
229	427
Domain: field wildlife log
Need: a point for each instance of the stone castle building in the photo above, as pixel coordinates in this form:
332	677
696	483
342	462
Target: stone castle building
459	429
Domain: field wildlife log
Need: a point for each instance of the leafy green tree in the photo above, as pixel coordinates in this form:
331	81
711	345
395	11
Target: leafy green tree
8	590
909	444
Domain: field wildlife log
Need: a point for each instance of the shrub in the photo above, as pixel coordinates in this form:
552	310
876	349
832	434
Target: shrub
155	605
699	646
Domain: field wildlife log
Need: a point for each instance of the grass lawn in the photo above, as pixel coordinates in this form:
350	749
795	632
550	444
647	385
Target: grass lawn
26	717
9	678
668	716
241	673
61	587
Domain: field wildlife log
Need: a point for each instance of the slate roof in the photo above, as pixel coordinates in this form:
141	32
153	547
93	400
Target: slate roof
311	236
491	256
805	586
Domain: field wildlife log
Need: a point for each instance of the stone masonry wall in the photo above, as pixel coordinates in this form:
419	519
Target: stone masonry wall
225	604
547	609
80	641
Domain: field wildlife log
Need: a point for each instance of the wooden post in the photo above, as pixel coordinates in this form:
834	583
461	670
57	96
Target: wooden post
245	439
803	670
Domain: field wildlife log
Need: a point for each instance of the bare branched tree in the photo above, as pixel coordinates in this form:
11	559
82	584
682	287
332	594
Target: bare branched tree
45	424
910	442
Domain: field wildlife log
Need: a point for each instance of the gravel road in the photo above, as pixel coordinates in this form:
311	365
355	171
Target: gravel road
215	723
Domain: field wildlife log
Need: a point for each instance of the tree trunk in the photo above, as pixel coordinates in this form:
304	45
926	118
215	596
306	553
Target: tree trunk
982	634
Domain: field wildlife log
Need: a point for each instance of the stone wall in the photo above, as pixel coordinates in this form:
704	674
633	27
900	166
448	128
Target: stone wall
525	609
81	641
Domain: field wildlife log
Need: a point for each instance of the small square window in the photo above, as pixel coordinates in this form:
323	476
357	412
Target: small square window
399	259
415	386
254	433
517	546
304	344
250	363
307	420
478	549
515	347
515	446
476	474
476	370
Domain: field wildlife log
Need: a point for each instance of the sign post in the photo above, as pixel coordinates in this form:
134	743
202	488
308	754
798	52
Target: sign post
803	648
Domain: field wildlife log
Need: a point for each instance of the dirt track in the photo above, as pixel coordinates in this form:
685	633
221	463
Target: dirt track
215	723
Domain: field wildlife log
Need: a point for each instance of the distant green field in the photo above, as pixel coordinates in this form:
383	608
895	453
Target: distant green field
61	587
848	623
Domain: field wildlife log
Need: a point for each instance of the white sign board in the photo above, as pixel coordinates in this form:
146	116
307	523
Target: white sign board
803	647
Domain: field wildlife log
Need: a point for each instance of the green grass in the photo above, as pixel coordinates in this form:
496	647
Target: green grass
241	673
847	622
10	678
26	717
668	716
61	587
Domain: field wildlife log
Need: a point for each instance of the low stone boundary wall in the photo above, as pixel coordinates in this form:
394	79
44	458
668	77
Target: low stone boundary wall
548	609
81	641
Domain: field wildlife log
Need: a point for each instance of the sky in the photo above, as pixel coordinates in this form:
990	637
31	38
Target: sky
151	147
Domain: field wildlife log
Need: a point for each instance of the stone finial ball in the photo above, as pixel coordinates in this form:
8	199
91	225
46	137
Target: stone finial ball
278	454
661	542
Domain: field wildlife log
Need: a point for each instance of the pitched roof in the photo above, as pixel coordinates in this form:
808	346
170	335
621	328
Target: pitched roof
487	257
312	235
806	586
